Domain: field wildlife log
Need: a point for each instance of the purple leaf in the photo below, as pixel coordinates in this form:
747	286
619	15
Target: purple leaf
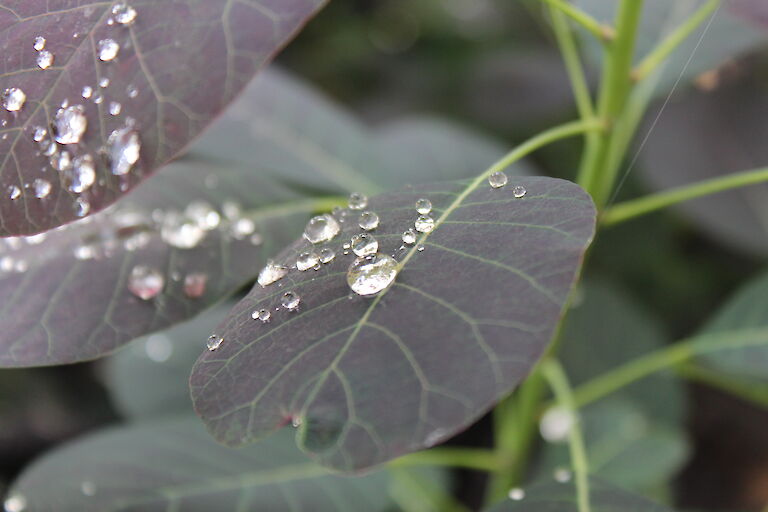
136	90
471	310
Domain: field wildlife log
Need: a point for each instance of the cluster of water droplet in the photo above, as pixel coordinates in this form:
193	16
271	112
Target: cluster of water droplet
61	143
499	180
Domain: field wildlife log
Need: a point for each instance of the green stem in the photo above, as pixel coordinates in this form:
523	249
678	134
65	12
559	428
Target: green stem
413	492
467	458
749	390
637	207
659	54
558	381
594	27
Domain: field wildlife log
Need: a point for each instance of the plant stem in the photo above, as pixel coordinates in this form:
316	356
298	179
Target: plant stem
637	207
468	458
660	53
594	27
414	492
558	381
751	391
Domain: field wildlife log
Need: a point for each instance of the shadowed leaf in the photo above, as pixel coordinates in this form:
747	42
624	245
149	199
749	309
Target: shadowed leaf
374	378
165	56
176	465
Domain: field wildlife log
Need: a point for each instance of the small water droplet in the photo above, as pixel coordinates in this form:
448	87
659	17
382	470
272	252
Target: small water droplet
61	161
242	228
87	92
290	301
214	342
145	282
556	424
108	49
372	274
98	99
364	245
423	206
497	179
14	99
262	315
368	221
124	14
40	43
44	59
15	503
307	260
357	201
519	192
42	188
88	488
322	229
327	255
516	494
180	231
104	82
132	91
82	207
124	150
231	210
21	266
115	108
562	475
82	175
409	237
39	134
424	224
158	348
14	192
194	285
271	273
257	239
203	214
70	124
420	248
296	421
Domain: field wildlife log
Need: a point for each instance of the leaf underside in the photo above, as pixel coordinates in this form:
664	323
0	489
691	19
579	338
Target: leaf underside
371	379
186	60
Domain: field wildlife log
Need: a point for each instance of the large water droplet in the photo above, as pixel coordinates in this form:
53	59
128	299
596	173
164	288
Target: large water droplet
322	229
14	192
44	59
516	494
214	342
82	175
124	150
40	43
519	192
425	224
108	49
307	260
327	255
368	221
15	503
290	301
423	206
370	275
271	273
364	245
14	99
357	201
409	237
124	14
41	187
145	282
180	231
262	315
556	424
497	179
195	284
70	124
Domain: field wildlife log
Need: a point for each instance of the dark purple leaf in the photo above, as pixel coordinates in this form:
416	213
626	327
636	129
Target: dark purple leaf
179	64
753	11
373	378
561	497
175	465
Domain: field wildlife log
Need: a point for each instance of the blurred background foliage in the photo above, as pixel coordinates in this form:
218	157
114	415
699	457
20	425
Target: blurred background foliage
492	65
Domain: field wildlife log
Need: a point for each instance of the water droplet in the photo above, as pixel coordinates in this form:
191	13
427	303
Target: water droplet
108	49
263	315
42	188
242	228
15	503
104	83
70	124
88	488
194	285
6	264
556	424
322	229
290	301
44	59
204	215
370	275
516	494
39	134
98	99
14	99
296	421
14	192
40	43
420	248
124	150
497	179
425	224
519	192
231	210
271	273
132	91
61	161
257	239
357	201
124	14
115	108
368	221
180	231
48	148
307	260
87	92
327	255
21	266
423	206
562	475
158	348
214	342
409	237
82	176
364	245
82	207
35	239
145	282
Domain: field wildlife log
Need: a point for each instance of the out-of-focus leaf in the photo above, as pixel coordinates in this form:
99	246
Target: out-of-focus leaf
283	124
561	497
179	64
728	36
150	378
705	135
373	378
176	465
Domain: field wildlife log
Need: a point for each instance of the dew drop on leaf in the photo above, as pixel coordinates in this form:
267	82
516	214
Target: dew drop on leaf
14	192
70	124
44	59
124	150
179	231
498	179
364	245
271	273
556	424
39	134
87	92
423	206
327	255
290	301
519	192
322	229
115	108
108	49
516	494
41	187
145	282
425	224
357	201
15	503
82	175
82	207
104	83
14	99
214	342
61	161
262	315
39	43
307	260
372	274
194	285
562	475
409	237
124	14
368	221
243	227
203	214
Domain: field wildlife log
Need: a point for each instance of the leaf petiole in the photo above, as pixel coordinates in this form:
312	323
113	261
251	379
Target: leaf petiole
601	32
